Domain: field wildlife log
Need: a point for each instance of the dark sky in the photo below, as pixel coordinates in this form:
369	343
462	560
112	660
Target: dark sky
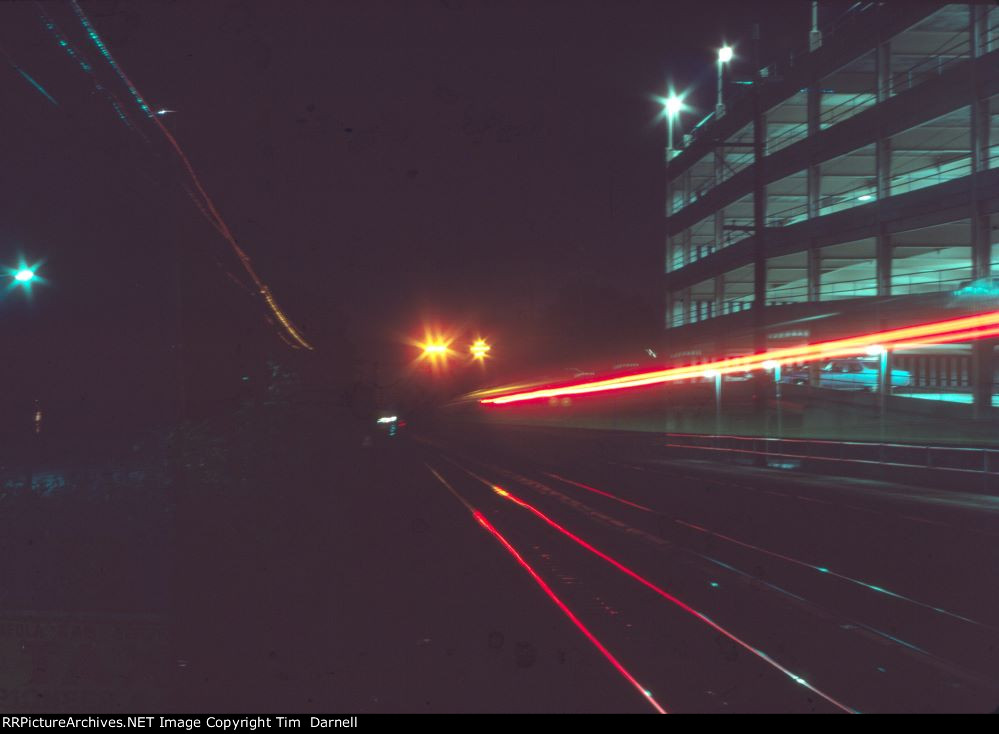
381	162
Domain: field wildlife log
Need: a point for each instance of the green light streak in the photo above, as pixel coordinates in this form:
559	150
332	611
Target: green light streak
36	85
99	43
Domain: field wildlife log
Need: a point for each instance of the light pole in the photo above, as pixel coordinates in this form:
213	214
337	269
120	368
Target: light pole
673	106
815	36
724	56
24	276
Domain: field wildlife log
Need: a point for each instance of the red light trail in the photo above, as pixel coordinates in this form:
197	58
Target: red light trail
934	659
600	492
481	519
568	612
669	597
967	328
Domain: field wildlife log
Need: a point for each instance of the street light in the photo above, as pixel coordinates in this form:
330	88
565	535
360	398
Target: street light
479	349
434	349
24	275
673	105
724	56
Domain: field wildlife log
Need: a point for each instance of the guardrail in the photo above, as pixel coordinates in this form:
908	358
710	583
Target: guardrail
921	464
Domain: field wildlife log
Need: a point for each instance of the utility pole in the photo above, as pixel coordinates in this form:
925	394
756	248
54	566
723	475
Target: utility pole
759	221
815	36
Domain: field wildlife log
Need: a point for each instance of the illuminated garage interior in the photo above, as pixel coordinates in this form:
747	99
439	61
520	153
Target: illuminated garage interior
879	179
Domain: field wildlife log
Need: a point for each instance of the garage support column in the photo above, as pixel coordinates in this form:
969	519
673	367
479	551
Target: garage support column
882	162
981	235
882	174
981	245
814	273
980	134
979	30
814	192
813	111
883	262
719	225
982	371
883	64
884	387
813	181
814	276
982	351
814	373
719	163
882	171
759	205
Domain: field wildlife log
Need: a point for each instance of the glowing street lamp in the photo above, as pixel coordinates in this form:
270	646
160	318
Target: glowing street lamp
479	349
435	349
673	106
724	57
24	275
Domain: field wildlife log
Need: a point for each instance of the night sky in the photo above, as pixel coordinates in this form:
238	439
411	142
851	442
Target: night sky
383	163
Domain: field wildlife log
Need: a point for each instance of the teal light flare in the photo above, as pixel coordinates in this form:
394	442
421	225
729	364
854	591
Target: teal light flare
24	276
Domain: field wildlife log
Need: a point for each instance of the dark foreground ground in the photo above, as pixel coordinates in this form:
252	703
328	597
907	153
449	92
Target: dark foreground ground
326	575
713	589
367	587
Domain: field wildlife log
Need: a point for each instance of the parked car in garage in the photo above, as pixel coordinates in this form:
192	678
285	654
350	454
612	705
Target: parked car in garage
847	374
858	374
